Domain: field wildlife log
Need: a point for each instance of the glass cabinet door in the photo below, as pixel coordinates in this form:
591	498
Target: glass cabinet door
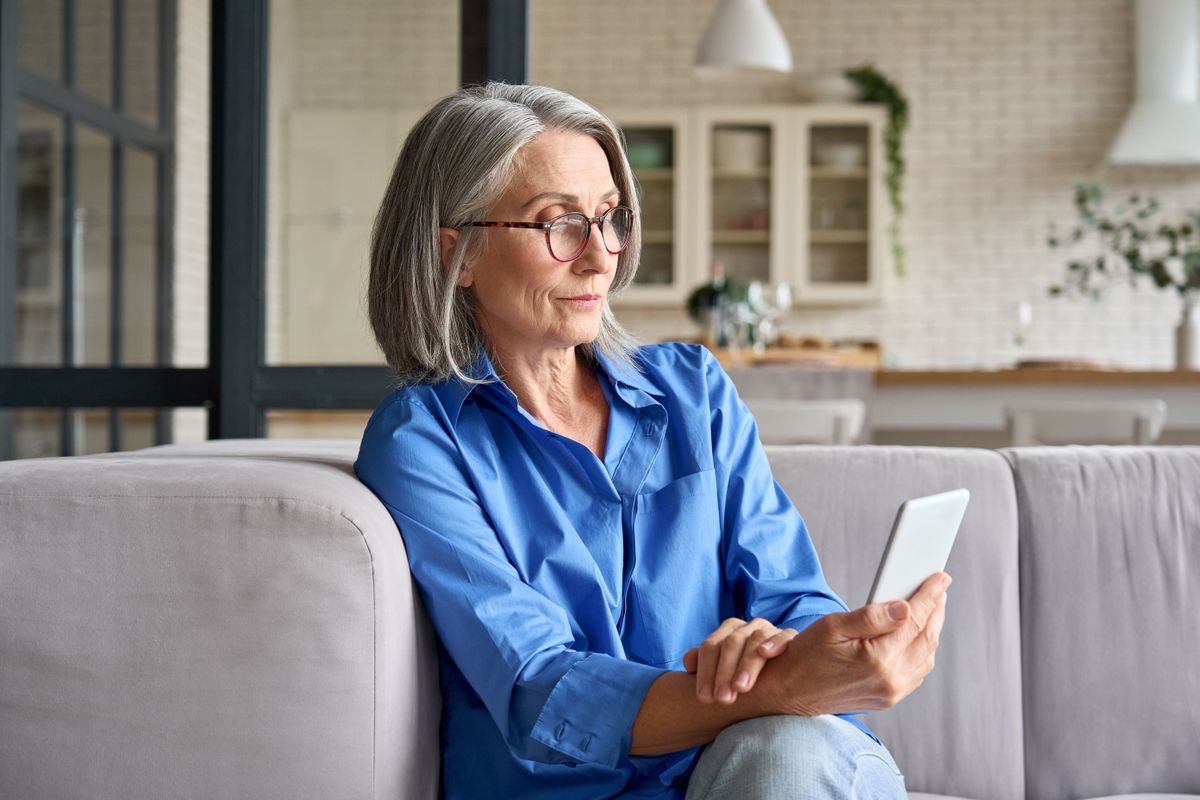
651	153
657	146
740	213
839	171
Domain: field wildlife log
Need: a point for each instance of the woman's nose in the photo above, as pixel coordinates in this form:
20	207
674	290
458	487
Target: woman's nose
595	256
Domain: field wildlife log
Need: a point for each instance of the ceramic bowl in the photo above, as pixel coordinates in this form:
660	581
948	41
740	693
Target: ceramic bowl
839	154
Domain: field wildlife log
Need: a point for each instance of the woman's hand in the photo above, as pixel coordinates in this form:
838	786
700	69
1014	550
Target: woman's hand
729	660
862	660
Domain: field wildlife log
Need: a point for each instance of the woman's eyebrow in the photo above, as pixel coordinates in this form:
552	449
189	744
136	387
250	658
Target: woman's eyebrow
567	198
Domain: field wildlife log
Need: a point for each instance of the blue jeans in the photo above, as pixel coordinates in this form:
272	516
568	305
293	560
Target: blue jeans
810	758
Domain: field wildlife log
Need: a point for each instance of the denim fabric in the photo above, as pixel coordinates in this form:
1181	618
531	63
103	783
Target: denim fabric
798	758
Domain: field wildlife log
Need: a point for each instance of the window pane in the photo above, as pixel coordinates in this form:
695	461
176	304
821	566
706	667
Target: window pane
39	259
35	432
139	242
40	37
93	49
347	79
189	259
91	431
288	424
189	425
92	238
141	77
137	428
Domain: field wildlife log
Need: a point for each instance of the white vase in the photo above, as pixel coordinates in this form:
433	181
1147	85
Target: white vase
1187	334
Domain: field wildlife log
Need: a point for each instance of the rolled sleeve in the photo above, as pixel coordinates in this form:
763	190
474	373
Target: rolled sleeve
589	715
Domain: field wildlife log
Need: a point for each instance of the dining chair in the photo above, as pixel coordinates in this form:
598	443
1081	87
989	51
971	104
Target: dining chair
1080	422
837	421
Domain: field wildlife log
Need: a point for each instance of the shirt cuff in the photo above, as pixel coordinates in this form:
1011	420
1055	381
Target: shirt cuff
589	714
808	611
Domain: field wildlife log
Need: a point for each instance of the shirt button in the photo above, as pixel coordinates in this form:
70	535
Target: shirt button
560	730
571	764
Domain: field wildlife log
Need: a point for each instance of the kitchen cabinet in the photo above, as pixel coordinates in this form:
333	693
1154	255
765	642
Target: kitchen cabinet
659	148
776	193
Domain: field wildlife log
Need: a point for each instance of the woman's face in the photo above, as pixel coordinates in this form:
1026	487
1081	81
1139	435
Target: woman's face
526	300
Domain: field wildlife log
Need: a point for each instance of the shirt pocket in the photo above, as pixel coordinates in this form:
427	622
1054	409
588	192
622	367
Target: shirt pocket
676	588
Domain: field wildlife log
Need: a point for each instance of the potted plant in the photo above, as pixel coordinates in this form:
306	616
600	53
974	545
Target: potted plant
1127	244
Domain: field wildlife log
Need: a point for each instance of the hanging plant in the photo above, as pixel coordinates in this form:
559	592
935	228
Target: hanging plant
874	87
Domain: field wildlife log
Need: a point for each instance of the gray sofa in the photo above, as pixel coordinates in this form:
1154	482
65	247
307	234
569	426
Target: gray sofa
235	619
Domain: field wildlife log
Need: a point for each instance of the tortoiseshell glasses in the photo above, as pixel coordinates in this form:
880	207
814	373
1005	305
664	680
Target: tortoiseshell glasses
567	234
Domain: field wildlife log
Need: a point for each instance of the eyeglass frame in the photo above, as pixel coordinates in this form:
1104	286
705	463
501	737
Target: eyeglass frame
597	220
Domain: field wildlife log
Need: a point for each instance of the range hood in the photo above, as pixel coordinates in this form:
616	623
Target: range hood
1163	127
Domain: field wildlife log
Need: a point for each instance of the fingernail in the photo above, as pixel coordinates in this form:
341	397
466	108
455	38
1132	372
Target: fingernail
706	694
727	695
769	645
946	581
896	610
743	680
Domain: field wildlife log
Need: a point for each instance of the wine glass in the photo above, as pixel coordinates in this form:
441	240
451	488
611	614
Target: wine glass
778	301
1023	313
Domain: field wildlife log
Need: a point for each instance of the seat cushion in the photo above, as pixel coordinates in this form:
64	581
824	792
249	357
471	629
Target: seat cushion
1110	596
959	734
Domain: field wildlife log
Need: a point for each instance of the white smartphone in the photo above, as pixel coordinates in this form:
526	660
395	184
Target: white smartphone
919	546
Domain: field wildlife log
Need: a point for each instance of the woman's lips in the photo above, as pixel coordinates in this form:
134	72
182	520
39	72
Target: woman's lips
583	300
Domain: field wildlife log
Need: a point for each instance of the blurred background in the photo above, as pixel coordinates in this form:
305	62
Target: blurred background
918	222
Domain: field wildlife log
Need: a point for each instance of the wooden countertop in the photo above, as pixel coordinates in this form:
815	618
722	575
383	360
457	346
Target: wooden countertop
900	377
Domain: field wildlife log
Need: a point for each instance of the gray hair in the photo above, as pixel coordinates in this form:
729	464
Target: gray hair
455	165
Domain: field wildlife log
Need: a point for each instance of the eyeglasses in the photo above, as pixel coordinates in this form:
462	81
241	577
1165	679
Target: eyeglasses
567	234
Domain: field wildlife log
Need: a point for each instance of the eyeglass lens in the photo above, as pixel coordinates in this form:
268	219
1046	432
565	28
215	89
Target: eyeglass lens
568	234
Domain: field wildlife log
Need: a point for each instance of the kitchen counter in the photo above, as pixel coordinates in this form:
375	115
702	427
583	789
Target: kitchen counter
967	406
1095	377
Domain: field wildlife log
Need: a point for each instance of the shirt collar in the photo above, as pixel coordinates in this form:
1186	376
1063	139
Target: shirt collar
453	392
626	377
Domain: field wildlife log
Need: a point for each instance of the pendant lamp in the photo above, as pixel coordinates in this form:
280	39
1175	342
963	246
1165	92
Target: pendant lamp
743	35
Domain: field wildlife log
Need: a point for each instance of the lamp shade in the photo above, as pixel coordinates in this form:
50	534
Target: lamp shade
743	34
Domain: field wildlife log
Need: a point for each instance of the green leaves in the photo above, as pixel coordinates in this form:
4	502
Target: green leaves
874	87
1127	245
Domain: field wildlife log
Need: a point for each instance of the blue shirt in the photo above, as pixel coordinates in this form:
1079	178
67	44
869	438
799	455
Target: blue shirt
561	585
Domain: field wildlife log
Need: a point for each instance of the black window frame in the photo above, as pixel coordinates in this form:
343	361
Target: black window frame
237	387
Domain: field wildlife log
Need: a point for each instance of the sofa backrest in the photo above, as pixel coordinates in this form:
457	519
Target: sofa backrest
233	619
960	733
1110	619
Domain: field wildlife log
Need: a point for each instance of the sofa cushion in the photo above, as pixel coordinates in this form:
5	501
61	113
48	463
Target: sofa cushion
1110	587
230	617
959	734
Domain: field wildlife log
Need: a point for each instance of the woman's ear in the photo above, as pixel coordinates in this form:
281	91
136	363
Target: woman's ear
447	242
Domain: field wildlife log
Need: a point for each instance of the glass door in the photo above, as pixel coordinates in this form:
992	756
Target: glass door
656	146
743	194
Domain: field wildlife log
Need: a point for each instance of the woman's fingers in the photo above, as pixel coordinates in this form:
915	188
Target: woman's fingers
776	644
740	660
761	647
709	656
925	644
691	659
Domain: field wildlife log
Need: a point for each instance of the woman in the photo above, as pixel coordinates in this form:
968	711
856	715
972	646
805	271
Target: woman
614	576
